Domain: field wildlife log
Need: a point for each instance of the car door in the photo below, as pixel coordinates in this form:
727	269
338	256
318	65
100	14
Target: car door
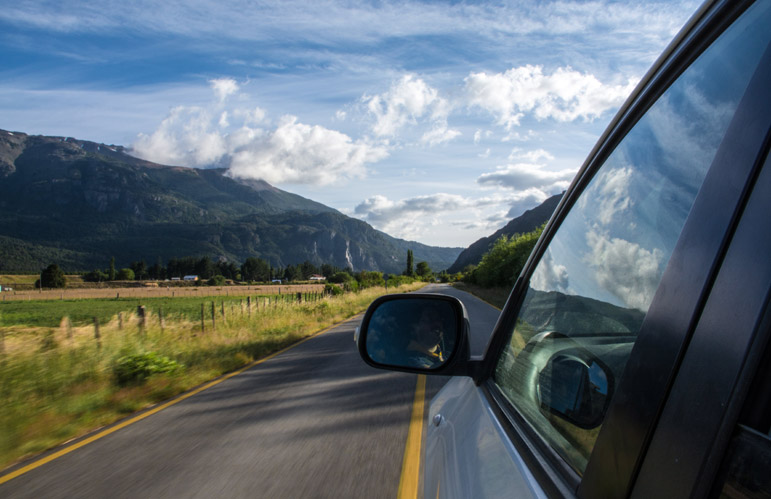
588	347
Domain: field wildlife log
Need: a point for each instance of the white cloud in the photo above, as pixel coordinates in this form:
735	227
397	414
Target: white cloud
564	95
408	218
530	156
408	100
223	88
438	135
625	269
549	276
292	152
522	176
186	137
304	154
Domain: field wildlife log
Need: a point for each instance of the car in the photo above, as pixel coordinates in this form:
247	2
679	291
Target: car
632	357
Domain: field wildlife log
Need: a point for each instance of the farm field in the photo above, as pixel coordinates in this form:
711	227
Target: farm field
62	377
46	310
138	291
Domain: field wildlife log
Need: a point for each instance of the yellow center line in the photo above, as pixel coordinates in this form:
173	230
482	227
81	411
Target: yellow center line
408	484
112	429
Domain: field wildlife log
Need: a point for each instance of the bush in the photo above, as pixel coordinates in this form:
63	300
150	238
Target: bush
368	279
397	280
501	266
125	275
135	369
53	277
96	276
332	289
217	280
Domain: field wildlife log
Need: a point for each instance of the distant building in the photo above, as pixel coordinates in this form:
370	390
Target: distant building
316	277
190	278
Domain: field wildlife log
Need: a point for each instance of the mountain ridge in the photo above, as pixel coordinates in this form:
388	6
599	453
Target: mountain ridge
85	202
527	222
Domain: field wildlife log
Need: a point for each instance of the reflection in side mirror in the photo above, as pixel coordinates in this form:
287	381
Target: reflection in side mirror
411	332
576	389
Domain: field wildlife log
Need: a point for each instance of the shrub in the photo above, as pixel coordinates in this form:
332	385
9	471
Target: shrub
217	280
332	289
125	275
135	369
53	277
502	264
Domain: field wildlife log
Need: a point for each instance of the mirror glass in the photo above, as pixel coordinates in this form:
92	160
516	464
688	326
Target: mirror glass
575	389
414	333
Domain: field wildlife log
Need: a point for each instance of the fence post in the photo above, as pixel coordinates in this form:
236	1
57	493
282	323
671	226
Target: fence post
160	318
203	327
142	317
222	309
97	336
213	320
120	321
299	297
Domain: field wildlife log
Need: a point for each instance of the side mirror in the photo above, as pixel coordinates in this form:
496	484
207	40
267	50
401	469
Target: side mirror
577	387
423	333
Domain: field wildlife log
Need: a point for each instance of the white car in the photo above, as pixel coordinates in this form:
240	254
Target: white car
632	357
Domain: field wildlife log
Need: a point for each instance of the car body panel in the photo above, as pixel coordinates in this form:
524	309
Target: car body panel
470	453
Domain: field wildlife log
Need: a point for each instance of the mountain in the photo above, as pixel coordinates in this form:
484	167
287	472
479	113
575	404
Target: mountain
527	222
78	203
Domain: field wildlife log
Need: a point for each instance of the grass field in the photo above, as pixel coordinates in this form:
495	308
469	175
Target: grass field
62	380
23	314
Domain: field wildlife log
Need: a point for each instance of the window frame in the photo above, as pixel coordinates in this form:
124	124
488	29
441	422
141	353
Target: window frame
678	307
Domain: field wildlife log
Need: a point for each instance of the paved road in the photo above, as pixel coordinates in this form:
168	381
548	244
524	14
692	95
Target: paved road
314	421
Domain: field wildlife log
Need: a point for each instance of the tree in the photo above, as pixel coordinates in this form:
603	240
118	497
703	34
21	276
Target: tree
409	270
502	264
53	277
140	269
255	269
125	275
423	270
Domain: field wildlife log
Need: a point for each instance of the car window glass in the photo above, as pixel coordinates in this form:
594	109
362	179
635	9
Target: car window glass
590	291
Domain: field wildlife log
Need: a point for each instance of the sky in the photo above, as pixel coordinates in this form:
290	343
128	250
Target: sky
434	121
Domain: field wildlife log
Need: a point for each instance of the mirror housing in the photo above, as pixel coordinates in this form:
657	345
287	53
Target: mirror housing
416	332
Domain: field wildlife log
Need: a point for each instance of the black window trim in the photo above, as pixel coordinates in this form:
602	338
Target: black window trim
730	375
705	26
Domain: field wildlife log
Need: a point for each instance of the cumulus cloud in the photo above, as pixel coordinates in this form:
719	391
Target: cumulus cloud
564	95
223	88
188	136
408	101
523	176
408	217
303	154
550	276
625	269
240	139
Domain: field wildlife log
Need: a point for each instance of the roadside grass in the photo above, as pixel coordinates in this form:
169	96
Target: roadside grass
57	383
494	296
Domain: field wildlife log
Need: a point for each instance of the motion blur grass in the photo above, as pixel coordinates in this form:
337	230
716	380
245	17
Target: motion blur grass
60	382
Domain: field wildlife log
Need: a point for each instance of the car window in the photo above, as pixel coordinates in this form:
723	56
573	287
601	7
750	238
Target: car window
593	285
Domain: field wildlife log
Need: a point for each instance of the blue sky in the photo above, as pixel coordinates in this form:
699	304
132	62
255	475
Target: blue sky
433	121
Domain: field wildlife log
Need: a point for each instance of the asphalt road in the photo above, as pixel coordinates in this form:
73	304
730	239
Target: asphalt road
314	421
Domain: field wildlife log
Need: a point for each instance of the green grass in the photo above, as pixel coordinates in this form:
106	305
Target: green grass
49	313
57	383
